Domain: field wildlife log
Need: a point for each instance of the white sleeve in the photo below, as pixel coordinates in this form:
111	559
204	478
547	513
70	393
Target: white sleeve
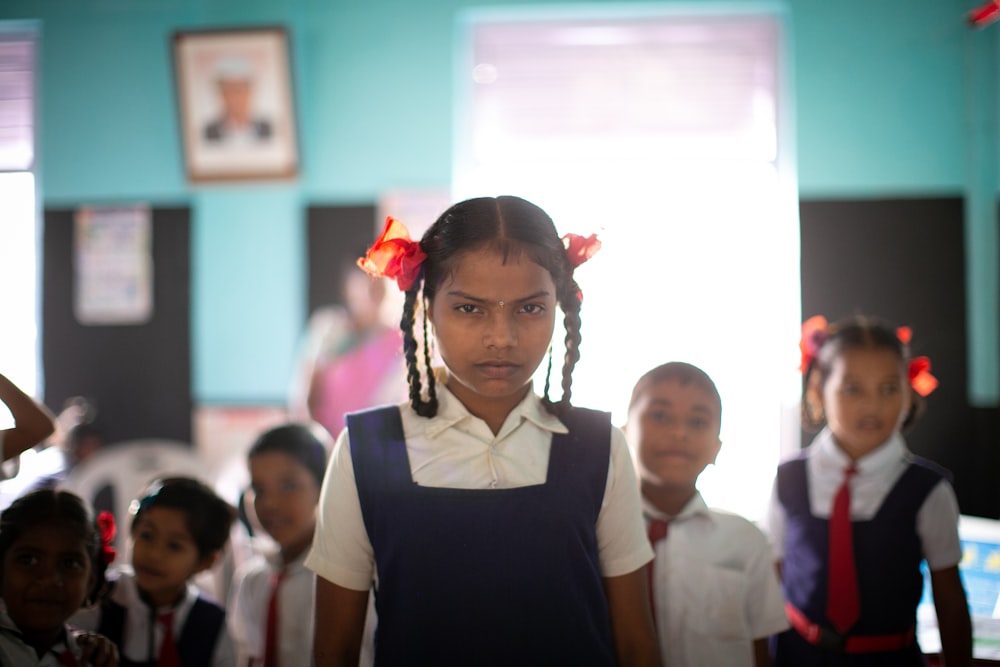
765	603
774	524
621	532
937	526
245	609
341	552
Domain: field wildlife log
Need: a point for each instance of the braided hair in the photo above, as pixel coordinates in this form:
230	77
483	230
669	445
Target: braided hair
510	225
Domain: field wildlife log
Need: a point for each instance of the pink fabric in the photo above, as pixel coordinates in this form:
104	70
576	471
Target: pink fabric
355	380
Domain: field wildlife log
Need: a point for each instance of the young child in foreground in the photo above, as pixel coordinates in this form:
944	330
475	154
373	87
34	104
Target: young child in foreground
504	527
53	554
713	588
154	613
855	513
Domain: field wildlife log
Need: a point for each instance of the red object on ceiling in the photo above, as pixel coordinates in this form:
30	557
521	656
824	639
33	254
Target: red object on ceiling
985	14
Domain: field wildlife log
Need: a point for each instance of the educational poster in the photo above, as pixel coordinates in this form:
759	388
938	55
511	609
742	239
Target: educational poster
980	571
113	265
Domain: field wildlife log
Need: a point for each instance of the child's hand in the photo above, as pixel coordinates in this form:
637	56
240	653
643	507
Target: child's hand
97	650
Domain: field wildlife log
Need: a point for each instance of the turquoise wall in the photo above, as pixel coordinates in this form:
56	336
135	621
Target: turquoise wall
891	98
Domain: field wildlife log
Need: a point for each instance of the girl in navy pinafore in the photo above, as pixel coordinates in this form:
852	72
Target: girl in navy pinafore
495	527
857	385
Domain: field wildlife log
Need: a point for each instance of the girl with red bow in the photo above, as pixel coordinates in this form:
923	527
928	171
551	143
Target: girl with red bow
496	526
53	557
853	516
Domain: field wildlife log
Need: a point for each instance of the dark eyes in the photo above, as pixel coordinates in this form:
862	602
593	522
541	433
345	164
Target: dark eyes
528	308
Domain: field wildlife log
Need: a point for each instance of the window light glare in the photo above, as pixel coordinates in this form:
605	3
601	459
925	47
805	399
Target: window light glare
485	73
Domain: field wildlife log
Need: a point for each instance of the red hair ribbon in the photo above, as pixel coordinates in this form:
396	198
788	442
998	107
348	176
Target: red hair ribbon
920	376
579	248
985	14
394	255
814	334
106	525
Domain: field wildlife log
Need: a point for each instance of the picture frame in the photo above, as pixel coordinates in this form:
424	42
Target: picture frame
236	104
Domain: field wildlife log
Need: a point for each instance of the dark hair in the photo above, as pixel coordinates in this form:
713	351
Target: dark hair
685	374
55	506
512	226
78	435
858	332
207	516
297	441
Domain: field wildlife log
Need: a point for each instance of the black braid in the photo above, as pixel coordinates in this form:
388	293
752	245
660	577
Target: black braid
432	401
410	349
548	374
571	308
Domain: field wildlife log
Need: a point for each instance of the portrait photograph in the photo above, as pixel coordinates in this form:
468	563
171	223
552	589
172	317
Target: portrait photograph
236	104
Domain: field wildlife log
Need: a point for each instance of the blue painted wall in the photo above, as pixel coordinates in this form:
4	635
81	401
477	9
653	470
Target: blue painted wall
891	97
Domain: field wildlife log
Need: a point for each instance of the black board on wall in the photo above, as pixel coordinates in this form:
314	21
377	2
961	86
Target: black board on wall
337	236
904	260
137	376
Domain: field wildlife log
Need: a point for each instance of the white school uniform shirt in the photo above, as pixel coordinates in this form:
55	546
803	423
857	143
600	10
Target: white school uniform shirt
715	590
458	450
135	633
247	615
878	472
16	653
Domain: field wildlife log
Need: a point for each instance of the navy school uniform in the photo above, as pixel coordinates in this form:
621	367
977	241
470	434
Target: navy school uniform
495	577
887	558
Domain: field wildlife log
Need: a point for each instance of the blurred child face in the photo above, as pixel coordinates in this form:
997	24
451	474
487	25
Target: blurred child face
164	554
674	427
492	351
865	398
46	578
285	499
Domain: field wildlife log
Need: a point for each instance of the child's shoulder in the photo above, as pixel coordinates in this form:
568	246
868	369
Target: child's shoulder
737	526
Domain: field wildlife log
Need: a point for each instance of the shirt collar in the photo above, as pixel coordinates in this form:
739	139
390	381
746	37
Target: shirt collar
829	455
695	507
452	411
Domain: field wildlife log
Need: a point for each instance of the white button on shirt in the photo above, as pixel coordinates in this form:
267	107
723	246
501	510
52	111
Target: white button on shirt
458	450
714	588
878	472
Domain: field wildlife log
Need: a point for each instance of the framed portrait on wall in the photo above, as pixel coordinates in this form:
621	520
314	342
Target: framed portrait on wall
236	105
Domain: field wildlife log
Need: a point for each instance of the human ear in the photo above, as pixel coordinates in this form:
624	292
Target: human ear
715	451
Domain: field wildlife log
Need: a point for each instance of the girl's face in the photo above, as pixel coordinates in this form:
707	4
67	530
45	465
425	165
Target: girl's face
493	324
46	577
865	398
164	554
285	499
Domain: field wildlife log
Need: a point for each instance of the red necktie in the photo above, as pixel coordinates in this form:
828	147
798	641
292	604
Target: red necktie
271	634
67	659
168	647
656	530
842	607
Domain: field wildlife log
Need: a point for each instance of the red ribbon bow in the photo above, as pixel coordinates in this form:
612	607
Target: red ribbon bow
394	255
920	376
814	334
579	248
106	526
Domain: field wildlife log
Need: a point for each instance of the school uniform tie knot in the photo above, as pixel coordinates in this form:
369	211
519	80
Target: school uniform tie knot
843	604
169	657
271	630
656	530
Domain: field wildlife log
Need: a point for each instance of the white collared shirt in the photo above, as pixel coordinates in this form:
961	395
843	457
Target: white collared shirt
135	634
247	612
458	450
878	472
715	590
14	651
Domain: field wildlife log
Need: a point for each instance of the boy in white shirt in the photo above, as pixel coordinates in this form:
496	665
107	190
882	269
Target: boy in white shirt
713	588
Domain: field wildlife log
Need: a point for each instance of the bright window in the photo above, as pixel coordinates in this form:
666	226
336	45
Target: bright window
18	212
666	135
